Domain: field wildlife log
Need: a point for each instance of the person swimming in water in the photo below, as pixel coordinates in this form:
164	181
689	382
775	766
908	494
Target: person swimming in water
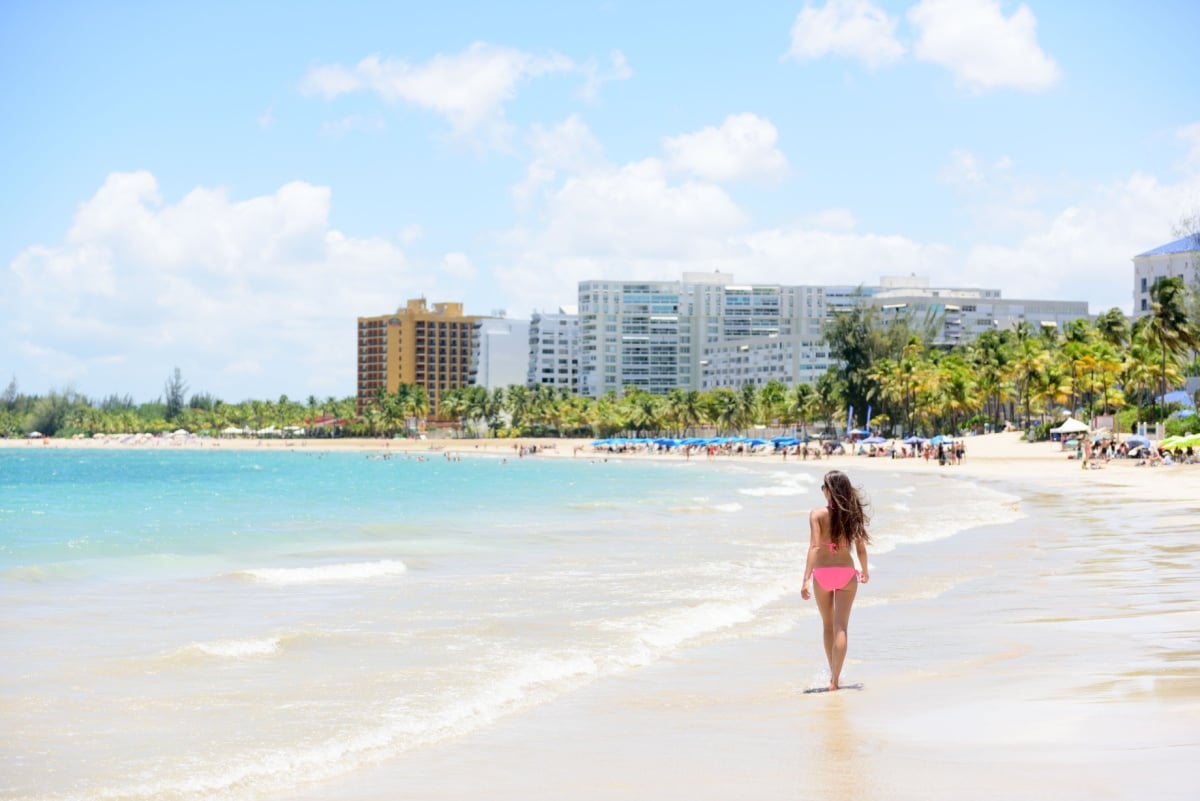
833	530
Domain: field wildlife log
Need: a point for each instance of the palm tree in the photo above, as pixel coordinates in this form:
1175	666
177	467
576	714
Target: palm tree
1138	371
1053	385
1168	326
1113	327
517	401
1030	360
773	399
829	397
724	409
804	403
748	406
454	405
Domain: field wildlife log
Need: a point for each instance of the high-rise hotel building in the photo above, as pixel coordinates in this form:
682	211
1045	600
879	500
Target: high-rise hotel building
706	332
702	332
418	345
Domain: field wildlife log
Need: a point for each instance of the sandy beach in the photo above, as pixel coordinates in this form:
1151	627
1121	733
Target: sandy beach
1050	657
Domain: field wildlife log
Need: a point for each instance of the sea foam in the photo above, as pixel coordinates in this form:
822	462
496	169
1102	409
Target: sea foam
336	573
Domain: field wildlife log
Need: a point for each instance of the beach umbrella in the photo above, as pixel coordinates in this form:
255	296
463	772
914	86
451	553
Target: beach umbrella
1070	426
874	440
914	440
1137	441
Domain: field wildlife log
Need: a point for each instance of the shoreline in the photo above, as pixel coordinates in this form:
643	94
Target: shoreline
1002	456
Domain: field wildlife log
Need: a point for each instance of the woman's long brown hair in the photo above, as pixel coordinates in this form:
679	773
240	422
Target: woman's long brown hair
848	516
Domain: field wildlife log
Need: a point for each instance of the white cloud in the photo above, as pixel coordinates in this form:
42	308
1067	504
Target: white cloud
331	80
743	147
851	28
411	233
961	168
469	88
1190	136
982	48
568	145
355	123
618	70
628	220
1085	251
1037	239
458	266
830	220
209	284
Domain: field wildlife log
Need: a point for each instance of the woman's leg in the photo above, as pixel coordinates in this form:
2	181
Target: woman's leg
825	606
836	632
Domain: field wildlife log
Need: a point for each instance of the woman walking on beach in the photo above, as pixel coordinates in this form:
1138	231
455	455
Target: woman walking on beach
834	529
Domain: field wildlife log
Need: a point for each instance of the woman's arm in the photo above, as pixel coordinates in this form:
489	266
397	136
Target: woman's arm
862	562
814	542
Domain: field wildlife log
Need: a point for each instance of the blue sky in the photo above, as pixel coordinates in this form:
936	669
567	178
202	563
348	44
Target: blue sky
225	187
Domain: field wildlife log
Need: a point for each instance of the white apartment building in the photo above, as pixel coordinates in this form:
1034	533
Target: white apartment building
500	352
659	335
706	331
1179	258
553	357
965	313
790	359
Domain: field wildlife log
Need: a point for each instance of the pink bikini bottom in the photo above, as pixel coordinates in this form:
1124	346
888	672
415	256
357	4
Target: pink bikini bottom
834	578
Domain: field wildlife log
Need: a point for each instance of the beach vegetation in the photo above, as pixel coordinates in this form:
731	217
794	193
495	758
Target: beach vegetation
175	395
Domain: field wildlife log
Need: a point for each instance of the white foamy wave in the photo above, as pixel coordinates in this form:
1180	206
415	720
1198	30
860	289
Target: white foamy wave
785	485
764	492
717	507
233	649
939	516
355	571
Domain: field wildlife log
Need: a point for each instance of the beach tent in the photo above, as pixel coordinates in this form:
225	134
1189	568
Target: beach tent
1070	426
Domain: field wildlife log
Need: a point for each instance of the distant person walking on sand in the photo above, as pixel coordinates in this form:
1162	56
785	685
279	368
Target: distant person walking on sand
833	530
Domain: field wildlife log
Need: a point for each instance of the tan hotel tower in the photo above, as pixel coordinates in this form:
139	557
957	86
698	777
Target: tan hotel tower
415	345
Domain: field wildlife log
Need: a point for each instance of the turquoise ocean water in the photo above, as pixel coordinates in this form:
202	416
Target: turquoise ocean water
184	624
